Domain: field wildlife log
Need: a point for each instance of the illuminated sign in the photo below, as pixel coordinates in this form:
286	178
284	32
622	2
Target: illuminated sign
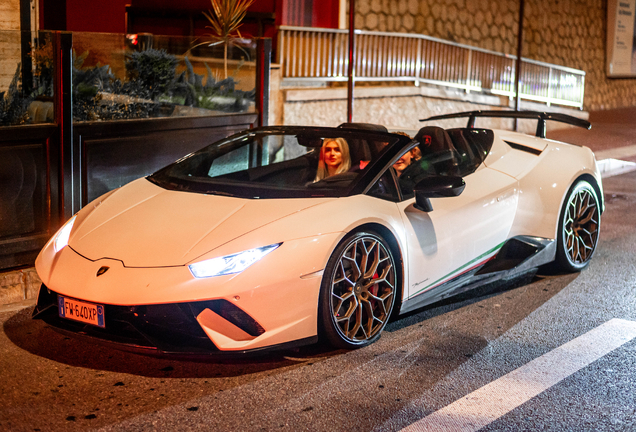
621	38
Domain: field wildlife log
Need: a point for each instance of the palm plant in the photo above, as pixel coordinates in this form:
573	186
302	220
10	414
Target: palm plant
225	19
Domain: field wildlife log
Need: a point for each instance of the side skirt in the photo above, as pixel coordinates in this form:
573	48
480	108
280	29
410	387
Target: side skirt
517	256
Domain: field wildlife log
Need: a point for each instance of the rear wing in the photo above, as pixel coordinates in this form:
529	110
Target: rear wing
541	116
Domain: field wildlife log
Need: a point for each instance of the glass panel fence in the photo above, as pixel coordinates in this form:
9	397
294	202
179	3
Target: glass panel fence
117	76
26	79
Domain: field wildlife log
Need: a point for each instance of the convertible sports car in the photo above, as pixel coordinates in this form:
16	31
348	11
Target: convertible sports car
241	246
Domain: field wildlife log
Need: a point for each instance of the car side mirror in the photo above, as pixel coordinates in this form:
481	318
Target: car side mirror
436	187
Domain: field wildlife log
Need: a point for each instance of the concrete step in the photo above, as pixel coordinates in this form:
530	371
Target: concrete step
19	285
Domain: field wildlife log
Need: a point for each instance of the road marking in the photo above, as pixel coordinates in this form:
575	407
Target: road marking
492	401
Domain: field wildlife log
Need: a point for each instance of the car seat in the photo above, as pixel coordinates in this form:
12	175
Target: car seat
438	150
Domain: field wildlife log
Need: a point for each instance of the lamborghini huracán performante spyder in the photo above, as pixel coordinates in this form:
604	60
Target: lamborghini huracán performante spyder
243	245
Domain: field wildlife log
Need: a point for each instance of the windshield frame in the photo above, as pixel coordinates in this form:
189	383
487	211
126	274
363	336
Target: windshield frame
249	190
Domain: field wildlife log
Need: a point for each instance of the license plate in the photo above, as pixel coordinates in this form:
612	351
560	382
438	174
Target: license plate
77	310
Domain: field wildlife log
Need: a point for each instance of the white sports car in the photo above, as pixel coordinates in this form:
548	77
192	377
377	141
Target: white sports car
244	245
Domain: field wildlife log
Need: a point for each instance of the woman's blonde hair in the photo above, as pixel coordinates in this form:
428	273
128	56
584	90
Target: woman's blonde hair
322	171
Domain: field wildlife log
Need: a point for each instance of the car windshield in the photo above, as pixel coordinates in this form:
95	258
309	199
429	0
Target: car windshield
280	163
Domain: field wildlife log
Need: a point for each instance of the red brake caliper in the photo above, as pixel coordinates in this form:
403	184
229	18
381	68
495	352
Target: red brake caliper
374	288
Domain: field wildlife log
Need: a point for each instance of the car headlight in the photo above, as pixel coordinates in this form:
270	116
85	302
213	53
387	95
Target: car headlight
230	264
61	238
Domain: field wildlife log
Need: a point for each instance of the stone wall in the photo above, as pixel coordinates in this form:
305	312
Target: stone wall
394	107
19	285
570	33
399	108
9	41
9	14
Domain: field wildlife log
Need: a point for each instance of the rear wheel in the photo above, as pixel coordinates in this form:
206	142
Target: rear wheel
358	291
579	227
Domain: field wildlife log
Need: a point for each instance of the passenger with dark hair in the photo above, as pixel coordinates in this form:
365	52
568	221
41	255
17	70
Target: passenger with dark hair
410	171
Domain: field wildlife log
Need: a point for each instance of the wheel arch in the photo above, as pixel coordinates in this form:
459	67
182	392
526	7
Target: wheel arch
562	262
582	176
544	187
388	235
592	181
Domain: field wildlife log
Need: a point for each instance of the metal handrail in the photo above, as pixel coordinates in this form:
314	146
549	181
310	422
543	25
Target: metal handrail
308	53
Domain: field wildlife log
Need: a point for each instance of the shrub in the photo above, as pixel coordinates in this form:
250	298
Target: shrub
151	71
13	105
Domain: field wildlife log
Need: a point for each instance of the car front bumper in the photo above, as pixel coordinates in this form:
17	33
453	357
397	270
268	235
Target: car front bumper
273	303
159	330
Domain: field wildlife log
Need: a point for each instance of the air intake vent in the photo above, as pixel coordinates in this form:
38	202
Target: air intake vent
231	313
521	147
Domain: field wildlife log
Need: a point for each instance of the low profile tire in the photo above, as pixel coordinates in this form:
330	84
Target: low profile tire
579	226
358	291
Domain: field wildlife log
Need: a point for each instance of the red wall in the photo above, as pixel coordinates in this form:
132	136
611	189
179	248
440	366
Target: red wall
109	16
104	16
308	13
325	13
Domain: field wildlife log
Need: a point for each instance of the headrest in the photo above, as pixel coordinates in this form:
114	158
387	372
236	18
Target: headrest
359	150
364	126
433	138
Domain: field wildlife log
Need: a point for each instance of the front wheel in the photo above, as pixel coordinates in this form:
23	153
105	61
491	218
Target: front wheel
579	226
358	291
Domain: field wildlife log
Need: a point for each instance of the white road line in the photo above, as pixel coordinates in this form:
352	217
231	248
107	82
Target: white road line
487	404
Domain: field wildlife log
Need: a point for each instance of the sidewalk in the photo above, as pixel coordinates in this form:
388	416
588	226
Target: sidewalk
612	138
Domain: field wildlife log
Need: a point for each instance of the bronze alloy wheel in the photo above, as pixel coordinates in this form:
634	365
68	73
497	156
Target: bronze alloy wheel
579	227
362	284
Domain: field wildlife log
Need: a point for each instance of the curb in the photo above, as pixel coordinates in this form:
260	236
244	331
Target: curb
14	307
19	285
612	167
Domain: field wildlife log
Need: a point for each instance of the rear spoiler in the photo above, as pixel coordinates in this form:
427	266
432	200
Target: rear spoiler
541	116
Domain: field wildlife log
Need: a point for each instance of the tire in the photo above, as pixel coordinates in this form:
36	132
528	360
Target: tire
579	227
358	291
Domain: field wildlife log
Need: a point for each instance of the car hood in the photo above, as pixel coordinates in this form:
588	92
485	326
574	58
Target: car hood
144	225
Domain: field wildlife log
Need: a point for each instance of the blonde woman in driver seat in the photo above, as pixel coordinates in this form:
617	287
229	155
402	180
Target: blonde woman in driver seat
334	158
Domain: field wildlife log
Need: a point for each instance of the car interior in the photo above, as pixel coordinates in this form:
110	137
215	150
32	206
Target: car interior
267	158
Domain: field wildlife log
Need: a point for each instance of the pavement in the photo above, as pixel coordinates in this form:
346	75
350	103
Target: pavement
612	138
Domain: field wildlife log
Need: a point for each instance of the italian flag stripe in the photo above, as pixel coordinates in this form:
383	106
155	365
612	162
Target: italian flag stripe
480	260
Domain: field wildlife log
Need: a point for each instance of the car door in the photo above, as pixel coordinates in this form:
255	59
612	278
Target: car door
461	233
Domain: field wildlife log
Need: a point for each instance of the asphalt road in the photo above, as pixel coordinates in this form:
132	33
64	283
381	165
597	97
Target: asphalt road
423	363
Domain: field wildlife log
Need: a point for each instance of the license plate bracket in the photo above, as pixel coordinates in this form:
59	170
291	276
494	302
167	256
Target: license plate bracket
82	311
